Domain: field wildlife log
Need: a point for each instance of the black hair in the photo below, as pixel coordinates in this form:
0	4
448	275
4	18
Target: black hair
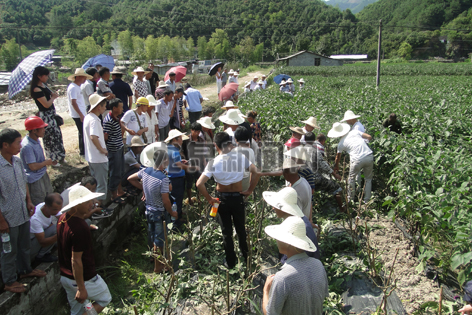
393	115
38	72
114	103
310	136
222	139
88	180
148	69
98	65
119	76
196	126
241	134
103	70
179	90
91	71
208	110
50	199
321	137
8	136
168	92
252	114
159	157
187	85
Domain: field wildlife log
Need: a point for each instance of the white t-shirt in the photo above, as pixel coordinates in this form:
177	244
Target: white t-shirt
227	168
130	121
171	85
264	84
75	93
354	145
93	127
39	222
151	122
358	126
249	154
253	85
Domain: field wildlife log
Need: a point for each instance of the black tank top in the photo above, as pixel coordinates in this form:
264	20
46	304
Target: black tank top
45	92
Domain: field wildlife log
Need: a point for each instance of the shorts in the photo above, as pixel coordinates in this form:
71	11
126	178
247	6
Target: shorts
156	226
97	291
327	185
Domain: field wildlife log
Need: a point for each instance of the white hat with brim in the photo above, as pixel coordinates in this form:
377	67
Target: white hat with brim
247	84
78	195
348	115
231	71
139	69
162	85
260	82
339	130
312	122
299	153
152	100
297	130
282	83
241	114
289	80
147	156
206	122
292	231
232	117
236	74
229	104
79	72
174	133
284	200
95	100
301	80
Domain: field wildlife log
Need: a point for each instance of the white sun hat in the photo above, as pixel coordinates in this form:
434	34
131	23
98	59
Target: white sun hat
241	114
78	195
79	72
229	104
248	83
236	73
285	200
139	69
147	156
282	82
256	77
232	117
206	122
94	100
260	82
162	85
289	80
299	152
301	80
312	122
292	232
339	130
152	100
349	114
174	133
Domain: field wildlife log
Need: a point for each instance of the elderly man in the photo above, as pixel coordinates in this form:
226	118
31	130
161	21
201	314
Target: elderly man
254	83
152	134
140	86
351	119
171	82
79	277
132	160
393	124
161	88
134	121
301	286
360	156
164	111
43	228
121	89
15	211
193	103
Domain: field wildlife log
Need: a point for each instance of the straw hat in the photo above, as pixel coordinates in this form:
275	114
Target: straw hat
232	117
174	133
282	83
147	156
256	77
152	101
142	101
339	130
118	70
241	114
229	104
289	80
78	195
297	130
231	71
348	115
298	152
260	82
95	99
263	76
236	74
139	69
292	143
312	122
284	200
162	85
248	83
206	122
290	163
136	141
79	72
301	80
292	232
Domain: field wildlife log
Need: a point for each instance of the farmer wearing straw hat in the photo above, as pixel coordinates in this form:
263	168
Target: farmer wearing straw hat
207	131
134	121
301	286
228	177
121	89
284	87
132	159
140	86
161	88
259	85
284	203
351	119
290	85
77	107
79	277
232	120
360	156
304	191
302	83
96	153
310	125
264	81
231	78
254	83
247	87
152	134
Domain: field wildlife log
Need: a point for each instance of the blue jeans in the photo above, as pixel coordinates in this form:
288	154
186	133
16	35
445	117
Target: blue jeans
116	162
178	189
156	224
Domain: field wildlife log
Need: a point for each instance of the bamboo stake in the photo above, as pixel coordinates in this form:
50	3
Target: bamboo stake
227	290
440	300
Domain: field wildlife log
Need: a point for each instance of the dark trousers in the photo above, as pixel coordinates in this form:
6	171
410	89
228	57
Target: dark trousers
178	190
124	182
116	163
18	260
80	128
194	116
231	211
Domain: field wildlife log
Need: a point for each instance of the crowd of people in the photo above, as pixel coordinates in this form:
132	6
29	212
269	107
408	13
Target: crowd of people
143	149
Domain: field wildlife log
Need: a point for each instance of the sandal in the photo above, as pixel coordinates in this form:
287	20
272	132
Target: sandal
34	273
16	287
119	200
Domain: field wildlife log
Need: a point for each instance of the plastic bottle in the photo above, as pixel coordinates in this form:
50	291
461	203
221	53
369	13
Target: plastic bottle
89	309
214	209
174	209
6	243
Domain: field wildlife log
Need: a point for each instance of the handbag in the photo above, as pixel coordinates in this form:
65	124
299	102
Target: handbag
140	127
59	120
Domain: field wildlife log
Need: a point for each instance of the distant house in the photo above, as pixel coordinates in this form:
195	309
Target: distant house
349	57
306	58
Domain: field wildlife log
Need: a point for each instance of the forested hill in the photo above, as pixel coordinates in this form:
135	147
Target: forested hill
354	5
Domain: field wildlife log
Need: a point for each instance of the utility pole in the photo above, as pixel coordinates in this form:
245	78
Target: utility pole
378	53
19	44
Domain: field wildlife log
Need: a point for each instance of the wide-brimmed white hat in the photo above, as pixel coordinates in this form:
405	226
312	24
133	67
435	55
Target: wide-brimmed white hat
162	85
256	77
260	82
312	122
248	83
147	156
139	69
284	200
282	83
78	195
232	117
118	70
79	72
152	100
289	80
263	76
298	130
231	71
174	133
206	122
236	73
136	141
95	99
299	152
290	163
292	232
241	114
339	130
301	80
229	104
349	114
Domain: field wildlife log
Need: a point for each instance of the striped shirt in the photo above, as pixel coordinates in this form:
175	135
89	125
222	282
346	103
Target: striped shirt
155	183
307	174
112	127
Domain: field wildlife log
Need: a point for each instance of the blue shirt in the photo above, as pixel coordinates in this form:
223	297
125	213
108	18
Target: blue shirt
155	183
174	157
310	233
32	152
121	90
193	100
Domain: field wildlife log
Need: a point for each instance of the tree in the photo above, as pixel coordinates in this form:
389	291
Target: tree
190	48
10	54
152	45
405	51
219	43
126	43
85	49
202	47
139	52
